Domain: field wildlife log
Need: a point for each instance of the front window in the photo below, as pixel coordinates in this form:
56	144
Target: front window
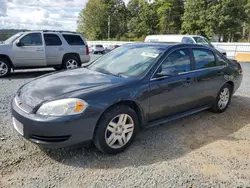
128	61
178	61
13	38
32	39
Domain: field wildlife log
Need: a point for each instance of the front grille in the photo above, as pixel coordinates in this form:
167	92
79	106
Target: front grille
50	138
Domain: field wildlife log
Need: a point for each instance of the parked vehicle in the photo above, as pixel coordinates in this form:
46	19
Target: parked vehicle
111	47
133	87
97	49
190	39
36	49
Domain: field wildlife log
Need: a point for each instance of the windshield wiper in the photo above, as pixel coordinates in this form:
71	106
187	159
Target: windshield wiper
110	73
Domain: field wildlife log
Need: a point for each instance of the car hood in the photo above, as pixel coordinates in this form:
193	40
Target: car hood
4	47
54	85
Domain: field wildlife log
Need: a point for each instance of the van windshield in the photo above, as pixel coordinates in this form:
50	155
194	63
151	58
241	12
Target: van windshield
203	41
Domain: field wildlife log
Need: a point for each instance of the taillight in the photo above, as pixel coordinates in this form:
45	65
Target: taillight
87	50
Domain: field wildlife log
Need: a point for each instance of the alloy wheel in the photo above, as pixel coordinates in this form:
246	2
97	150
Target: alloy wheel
71	64
119	131
3	68
224	98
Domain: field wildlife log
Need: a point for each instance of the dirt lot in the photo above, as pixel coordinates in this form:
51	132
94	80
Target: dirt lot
203	150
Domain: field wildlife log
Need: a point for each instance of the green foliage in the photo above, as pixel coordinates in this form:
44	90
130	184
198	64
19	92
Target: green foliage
229	19
170	13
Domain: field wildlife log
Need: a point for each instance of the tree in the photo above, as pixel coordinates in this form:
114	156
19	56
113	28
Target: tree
143	19
170	13
93	20
195	19
221	17
247	21
229	16
118	14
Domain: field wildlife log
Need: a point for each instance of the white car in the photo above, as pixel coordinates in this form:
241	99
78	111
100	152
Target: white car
96	49
191	39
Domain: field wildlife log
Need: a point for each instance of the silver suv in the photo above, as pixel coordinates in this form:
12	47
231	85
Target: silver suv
37	49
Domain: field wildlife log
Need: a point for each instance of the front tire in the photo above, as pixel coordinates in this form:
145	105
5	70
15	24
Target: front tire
223	99
116	129
5	67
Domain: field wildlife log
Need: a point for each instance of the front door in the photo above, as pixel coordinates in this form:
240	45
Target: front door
31	52
173	94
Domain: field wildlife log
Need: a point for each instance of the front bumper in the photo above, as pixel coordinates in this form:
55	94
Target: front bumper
55	132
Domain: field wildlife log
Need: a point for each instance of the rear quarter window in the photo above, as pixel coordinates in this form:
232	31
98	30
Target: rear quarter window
73	40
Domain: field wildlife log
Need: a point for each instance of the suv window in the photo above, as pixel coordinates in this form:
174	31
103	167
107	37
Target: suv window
187	40
32	39
73	39
178	61
204	58
52	40
220	60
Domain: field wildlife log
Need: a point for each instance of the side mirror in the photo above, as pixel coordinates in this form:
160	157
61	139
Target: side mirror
19	44
167	72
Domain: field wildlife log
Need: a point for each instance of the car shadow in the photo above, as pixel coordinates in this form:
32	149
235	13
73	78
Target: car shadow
170	141
27	74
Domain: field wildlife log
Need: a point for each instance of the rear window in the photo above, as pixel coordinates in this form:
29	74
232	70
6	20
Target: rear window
73	39
204	58
99	46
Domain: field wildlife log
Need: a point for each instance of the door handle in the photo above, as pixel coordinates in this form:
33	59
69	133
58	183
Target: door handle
39	49
61	49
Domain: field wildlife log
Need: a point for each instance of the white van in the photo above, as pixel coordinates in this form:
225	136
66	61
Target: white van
192	39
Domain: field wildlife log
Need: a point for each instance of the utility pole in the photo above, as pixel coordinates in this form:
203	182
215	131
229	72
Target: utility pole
108	27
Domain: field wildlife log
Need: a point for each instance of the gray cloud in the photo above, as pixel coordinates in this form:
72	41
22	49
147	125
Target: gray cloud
3	8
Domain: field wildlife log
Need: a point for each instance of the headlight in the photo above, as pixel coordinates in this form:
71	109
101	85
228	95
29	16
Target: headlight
63	107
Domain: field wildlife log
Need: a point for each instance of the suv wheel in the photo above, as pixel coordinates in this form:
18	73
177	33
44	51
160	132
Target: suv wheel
5	67
223	99
71	62
116	130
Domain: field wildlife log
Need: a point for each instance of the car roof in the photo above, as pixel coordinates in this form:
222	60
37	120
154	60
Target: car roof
167	45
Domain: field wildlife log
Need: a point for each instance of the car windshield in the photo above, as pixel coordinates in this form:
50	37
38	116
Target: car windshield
203	41
13	38
128	61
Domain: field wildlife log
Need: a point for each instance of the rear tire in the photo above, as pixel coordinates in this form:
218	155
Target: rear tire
223	99
5	67
71	62
116	130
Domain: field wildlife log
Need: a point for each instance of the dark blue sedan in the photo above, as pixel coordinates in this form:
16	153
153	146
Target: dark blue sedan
133	87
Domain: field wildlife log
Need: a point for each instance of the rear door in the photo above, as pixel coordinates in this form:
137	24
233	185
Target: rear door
54	49
173	94
209	75
32	51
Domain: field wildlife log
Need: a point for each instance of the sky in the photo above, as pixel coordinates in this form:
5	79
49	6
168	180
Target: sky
40	14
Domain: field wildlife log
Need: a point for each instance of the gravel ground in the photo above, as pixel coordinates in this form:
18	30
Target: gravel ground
202	150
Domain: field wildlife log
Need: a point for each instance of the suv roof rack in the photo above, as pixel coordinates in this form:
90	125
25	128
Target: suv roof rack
58	31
